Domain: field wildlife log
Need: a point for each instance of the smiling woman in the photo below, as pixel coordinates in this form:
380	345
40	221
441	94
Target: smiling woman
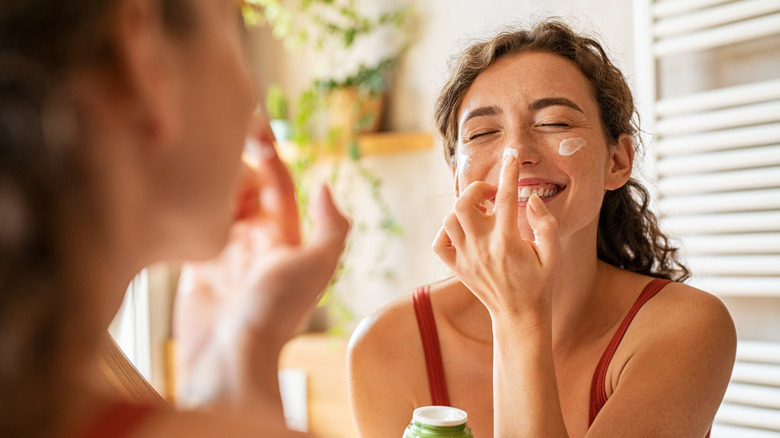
562	318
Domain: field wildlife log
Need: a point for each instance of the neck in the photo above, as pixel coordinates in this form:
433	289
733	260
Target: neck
100	272
113	242
588	297
583	303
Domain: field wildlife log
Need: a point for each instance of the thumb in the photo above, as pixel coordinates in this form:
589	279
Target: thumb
545	228
330	226
276	192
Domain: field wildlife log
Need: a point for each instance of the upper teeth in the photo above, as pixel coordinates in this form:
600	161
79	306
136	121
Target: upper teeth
523	193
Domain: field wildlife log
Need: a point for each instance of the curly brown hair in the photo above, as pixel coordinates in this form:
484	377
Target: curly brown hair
44	330
628	234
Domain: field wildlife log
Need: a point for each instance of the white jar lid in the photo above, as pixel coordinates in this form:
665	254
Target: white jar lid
440	416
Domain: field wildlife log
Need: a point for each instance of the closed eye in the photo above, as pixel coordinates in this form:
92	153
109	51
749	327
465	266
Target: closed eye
555	124
481	134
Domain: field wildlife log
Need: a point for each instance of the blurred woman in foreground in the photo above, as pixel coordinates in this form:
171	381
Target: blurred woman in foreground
122	123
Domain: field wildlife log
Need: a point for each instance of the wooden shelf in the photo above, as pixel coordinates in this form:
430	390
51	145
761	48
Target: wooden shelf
394	142
379	143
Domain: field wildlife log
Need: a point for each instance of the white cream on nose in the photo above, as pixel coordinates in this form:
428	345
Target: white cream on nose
571	145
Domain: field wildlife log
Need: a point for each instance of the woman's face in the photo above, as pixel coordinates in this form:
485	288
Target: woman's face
217	99
541	105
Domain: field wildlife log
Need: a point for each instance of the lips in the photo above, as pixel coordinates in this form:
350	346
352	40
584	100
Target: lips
546	190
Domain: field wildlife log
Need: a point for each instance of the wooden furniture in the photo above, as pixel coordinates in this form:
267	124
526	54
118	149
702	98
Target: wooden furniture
324	359
119	376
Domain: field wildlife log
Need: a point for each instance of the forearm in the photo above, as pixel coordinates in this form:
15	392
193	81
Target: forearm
236	370
525	390
262	368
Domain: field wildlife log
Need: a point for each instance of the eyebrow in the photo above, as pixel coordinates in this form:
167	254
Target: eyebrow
553	101
482	111
492	110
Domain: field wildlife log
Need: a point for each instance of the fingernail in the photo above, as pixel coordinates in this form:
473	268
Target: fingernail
267	150
259	150
511	151
532	202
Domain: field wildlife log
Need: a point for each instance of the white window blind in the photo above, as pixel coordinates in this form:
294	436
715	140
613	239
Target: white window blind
130	327
716	148
142	326
708	80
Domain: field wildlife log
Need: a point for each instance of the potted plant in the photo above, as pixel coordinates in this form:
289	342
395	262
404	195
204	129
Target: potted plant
356	104
346	99
351	87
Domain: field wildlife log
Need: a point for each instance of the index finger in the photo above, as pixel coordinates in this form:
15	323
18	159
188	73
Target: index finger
506	198
276	188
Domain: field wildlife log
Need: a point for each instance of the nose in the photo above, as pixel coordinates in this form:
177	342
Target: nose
528	149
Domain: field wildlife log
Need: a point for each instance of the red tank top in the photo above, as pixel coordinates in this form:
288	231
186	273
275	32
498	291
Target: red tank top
435	368
117	420
430	341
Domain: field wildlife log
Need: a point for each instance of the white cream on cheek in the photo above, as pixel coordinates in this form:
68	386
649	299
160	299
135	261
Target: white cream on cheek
464	162
571	145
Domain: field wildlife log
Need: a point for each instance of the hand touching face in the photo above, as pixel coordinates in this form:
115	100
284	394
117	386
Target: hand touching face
484	249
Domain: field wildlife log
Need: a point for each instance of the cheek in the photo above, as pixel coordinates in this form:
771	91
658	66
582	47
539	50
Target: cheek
464	163
570	146
473	165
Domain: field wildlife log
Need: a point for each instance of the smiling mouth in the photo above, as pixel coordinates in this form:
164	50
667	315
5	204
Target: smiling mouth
543	191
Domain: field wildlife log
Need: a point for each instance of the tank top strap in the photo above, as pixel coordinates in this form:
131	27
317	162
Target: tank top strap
598	394
430	342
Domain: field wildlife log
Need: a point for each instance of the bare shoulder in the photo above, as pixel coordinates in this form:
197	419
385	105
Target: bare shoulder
682	320
386	335
385	352
680	308
392	335
676	359
386	370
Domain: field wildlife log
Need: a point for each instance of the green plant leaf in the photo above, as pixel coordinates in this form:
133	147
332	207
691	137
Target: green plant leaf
276	103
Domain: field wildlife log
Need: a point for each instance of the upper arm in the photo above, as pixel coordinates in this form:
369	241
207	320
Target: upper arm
677	371
380	375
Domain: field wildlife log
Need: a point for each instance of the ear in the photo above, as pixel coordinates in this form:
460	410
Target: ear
145	60
620	164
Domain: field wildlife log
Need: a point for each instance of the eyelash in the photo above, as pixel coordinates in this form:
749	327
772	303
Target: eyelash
481	134
561	125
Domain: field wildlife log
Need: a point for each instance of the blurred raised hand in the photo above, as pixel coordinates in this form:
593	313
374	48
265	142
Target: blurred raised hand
234	313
